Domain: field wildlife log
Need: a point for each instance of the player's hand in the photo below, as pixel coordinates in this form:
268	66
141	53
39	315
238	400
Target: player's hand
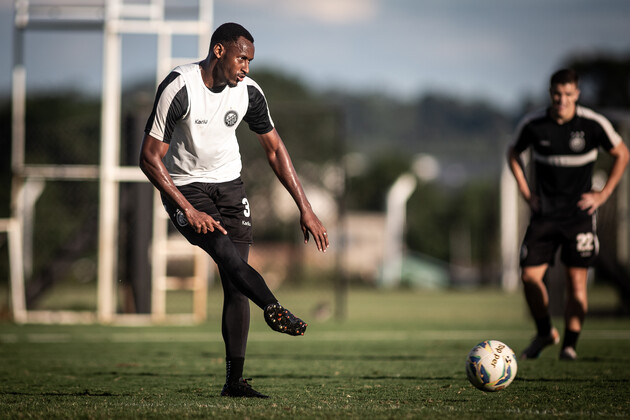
534	203
311	224
591	201
203	223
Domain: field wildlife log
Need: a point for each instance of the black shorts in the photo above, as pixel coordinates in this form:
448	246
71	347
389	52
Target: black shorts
577	238
226	202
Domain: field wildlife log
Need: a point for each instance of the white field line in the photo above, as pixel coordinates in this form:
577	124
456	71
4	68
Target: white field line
425	335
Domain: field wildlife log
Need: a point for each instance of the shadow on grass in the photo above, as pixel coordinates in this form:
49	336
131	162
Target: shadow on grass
85	393
359	377
399	358
340	357
564	379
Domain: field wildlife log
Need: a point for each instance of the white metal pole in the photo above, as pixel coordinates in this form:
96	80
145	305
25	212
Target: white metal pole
18	295
110	139
395	218
206	9
509	231
14	229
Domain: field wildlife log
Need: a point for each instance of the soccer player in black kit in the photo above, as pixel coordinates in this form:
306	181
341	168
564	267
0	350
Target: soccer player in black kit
565	139
191	155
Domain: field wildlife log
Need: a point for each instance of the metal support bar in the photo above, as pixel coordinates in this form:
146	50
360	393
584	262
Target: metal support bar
13	228
110	139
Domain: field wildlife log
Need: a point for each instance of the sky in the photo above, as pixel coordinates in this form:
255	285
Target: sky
500	51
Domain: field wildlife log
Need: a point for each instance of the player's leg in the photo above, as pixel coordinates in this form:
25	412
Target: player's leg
221	248
537	298
575	310
240	274
248	281
235	317
536	294
579	251
231	201
235	328
537	252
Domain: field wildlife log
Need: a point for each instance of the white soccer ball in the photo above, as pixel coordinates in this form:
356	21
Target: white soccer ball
491	366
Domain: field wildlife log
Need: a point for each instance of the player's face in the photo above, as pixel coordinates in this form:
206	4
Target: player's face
563	101
235	61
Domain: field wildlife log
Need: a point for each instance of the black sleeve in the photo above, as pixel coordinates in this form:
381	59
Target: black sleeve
174	111
523	139
257	116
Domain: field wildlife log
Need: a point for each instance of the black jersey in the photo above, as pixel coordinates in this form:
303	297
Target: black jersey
564	156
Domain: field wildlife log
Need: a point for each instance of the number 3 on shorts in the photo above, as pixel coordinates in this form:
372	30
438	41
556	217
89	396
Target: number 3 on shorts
246	212
585	242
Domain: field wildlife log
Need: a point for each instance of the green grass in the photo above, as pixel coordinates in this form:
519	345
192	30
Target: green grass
397	355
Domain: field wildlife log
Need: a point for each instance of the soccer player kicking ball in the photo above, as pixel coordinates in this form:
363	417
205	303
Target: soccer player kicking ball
564	139
191	155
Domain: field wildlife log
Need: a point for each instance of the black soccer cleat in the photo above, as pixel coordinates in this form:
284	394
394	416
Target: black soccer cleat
241	389
568	353
282	320
539	343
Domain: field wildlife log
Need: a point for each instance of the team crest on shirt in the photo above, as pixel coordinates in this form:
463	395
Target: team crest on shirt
231	117
577	142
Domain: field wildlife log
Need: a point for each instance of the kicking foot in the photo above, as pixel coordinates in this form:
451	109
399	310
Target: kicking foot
568	353
282	320
539	343
241	389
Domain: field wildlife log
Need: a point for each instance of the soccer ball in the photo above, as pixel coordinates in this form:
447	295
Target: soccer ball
491	366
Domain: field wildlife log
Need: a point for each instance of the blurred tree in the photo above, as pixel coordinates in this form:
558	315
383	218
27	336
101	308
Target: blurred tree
436	212
604	79
280	87
430	217
62	129
367	191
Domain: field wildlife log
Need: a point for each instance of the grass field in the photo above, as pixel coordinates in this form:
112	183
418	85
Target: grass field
397	355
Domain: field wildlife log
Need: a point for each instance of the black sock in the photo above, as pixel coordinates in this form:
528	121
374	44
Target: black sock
570	338
543	326
234	369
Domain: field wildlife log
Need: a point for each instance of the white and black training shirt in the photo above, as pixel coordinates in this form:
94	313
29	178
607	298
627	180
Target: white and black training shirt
564	155
200	125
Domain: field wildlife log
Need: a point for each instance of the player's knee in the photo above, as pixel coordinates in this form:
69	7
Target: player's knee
529	279
224	254
578	298
237	299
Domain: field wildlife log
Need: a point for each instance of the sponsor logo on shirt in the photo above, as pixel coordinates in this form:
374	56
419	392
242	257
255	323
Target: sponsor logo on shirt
231	117
200	121
244	223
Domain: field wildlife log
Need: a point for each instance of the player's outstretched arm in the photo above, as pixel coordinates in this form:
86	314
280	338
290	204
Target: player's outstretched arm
516	166
280	162
593	200
151	155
